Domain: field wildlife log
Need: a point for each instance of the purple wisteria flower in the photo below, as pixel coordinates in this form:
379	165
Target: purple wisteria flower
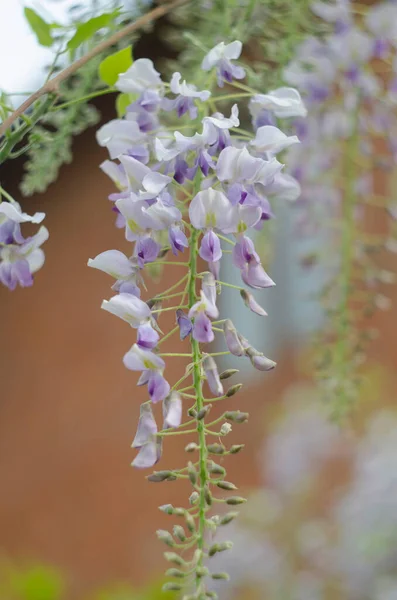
20	257
220	57
186	94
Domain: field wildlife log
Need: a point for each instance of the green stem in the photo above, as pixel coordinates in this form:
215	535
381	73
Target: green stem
18	134
84	98
198	387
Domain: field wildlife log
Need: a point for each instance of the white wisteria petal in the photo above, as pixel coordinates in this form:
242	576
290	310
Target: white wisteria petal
146	426
139	77
186	89
249	216
13	212
273	140
132	209
340	11
283	102
211	209
114	263
221	50
137	359
284	187
115	172
128	307
35	241
36	260
222	122
118	136
237	164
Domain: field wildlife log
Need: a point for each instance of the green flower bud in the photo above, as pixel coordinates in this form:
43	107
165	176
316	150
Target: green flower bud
203	412
216	449
202	571
228	373
228	518
233	390
226	485
190	522
174	558
208	496
224	576
194	498
191	447
236	416
225	429
159	476
179	533
171	587
175	573
165	536
221	547
192	473
179	512
192	412
215	469
168	509
234	500
236	448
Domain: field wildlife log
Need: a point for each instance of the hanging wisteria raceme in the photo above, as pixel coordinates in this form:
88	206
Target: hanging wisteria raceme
20	257
347	173
198	196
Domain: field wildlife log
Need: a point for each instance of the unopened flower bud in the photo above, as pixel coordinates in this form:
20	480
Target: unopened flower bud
165	536
197	556
226	485
228	518
194	498
179	533
175	573
191	447
232	338
235	500
216	449
190	523
208	496
215	469
203	412
163	252
192	412
191	471
259	360
168	509
228	373
236	416
159	476
212	375
221	547
252	304
202	571
236	448
170	586
179	512
174	558
225	429
233	390
223	576
212	595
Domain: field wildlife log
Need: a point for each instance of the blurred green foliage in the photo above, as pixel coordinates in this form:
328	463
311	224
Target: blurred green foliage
43	582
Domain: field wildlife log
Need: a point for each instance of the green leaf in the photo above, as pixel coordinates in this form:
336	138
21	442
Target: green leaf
122	102
111	66
85	31
41	28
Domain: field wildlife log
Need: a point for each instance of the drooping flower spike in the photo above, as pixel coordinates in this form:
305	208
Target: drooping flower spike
188	194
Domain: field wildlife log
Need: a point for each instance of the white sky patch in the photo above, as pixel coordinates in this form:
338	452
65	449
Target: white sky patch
22	58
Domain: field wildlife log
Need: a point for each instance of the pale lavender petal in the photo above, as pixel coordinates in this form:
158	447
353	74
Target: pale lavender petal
172	410
177	239
202	329
148	455
252	304
128	307
146	426
212	375
232	338
210	248
147	337
255	276
184	323
158	387
138	359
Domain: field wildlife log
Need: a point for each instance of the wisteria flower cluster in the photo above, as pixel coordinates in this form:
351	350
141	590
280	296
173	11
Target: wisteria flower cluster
347	175
198	195
20	257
